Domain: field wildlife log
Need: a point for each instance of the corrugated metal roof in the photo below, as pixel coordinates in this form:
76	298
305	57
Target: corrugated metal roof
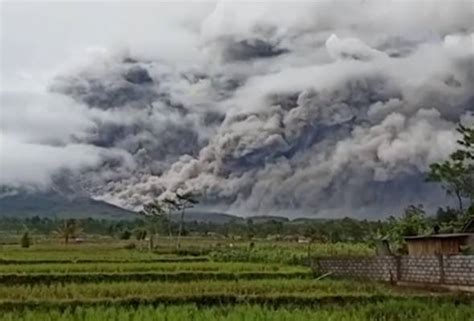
439	236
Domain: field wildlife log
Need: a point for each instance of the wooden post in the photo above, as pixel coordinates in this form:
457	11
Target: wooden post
441	268
398	264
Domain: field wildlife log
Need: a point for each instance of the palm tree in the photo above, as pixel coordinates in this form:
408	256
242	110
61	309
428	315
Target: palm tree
183	201
157	211
155	214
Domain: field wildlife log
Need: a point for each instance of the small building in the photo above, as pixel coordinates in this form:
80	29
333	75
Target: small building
445	244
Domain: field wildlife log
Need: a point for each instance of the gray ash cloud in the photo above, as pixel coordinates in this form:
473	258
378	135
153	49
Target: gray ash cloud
297	113
250	49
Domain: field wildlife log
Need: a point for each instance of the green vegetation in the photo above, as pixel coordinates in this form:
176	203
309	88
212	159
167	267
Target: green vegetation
263	287
391	310
193	248
235	229
177	266
67	230
183	276
120	284
289	253
25	241
233	281
456	174
90	252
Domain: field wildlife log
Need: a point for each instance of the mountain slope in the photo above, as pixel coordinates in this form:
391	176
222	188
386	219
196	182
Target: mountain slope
54	205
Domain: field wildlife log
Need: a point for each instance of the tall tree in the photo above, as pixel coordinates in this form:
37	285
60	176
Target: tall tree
68	229
156	214
413	222
456	174
180	203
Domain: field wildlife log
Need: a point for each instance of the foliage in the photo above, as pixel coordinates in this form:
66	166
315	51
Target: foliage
69	229
141	267
392	310
413	222
179	203
180	276
229	251
155	214
130	246
329	230
140	234
25	241
456	174
197	289
287	253
125	235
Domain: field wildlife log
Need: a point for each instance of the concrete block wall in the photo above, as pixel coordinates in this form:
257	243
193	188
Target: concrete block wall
382	268
422	269
459	270
450	270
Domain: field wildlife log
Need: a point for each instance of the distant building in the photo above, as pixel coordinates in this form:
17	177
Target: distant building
445	244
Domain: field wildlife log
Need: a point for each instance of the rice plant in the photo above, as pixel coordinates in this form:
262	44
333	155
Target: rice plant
386	311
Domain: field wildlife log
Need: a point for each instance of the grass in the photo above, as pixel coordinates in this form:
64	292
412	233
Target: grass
113	267
222	251
392	310
182	276
75	252
287	252
115	290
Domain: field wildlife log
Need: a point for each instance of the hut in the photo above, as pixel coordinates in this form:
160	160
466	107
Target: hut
438	244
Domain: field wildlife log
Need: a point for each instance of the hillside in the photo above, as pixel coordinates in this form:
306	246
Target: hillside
58	206
54	205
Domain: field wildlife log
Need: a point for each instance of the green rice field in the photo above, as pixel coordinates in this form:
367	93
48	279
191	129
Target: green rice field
83	282
389	310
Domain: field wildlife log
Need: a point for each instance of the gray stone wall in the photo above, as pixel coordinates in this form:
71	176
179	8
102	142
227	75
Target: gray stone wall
459	270
423	269
381	268
450	270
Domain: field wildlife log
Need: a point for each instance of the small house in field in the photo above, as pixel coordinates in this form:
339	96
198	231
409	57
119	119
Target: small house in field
444	244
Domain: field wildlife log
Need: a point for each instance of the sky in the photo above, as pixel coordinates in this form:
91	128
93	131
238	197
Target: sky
269	107
39	36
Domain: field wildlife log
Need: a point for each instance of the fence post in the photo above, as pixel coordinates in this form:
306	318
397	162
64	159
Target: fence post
398	266
441	268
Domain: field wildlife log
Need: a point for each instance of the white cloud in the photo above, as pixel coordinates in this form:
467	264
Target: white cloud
25	164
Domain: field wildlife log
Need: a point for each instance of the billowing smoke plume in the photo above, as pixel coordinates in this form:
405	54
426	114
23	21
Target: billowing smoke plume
329	108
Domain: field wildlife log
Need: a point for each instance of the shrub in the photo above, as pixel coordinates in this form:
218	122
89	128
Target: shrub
125	235
130	246
25	241
140	234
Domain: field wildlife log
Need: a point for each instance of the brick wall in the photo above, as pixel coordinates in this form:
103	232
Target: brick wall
450	270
